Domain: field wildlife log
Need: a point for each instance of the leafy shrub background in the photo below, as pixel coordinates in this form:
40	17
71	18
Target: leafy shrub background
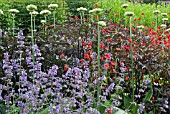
23	17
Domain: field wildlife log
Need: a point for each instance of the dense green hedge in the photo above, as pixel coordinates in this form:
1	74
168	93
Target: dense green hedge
23	17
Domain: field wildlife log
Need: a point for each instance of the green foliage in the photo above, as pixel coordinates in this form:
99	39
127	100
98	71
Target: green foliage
74	4
137	8
23	17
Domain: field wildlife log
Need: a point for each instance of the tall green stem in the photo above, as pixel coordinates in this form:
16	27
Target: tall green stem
131	56
98	62
81	17
54	18
46	22
32	39
13	25
34	23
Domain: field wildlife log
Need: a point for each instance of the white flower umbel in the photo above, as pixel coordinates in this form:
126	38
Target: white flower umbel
91	11
156	12
164	14
81	9
31	7
140	27
165	19
1	12
125	6
43	21
129	14
34	13
163	25
45	12
101	23
97	10
53	6
13	11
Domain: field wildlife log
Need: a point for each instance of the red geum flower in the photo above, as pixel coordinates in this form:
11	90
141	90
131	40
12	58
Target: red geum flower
143	44
106	66
143	13
153	98
130	40
84	19
76	17
109	111
113	63
61	55
127	68
107	56
101	58
96	16
109	40
138	19
46	27
83	43
89	51
95	5
87	56
116	15
153	23
134	19
169	13
90	43
82	61
101	45
127	47
65	67
51	26
126	78
89	47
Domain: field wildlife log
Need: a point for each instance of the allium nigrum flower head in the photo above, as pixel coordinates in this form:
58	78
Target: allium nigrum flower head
31	7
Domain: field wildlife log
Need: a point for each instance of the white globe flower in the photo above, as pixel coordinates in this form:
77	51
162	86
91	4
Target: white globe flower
164	14
1	12
53	6
13	11
81	9
45	12
140	27
34	13
156	12
129	14
31	7
125	6
101	23
43	21
163	26
97	10
165	19
91	11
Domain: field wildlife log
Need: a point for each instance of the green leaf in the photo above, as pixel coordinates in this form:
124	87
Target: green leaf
45	111
148	95
2	109
120	111
107	104
127	102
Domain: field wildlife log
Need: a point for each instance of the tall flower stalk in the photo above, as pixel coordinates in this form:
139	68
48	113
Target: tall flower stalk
13	12
1	13
100	24
130	14
45	13
53	7
156	12
81	10
31	8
